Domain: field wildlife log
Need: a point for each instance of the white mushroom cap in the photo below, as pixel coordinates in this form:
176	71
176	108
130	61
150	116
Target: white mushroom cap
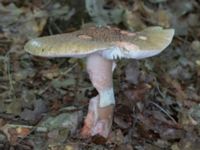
111	43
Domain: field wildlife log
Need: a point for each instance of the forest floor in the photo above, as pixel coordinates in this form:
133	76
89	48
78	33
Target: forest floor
43	101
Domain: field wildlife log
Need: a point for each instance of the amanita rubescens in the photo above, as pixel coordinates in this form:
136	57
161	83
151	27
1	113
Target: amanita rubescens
101	46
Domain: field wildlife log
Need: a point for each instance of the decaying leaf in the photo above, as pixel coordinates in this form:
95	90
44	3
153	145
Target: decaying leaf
102	15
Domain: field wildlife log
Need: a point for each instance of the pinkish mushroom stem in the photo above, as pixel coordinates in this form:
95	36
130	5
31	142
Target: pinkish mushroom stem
100	113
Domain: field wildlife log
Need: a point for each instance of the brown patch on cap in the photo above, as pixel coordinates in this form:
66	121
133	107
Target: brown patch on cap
127	45
85	37
92	28
127	33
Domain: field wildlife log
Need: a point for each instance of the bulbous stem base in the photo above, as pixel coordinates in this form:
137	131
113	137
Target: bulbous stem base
98	120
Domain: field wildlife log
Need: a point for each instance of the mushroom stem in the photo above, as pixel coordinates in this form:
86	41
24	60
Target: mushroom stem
100	113
100	71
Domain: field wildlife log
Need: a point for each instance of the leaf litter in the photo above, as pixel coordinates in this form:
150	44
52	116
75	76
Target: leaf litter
42	101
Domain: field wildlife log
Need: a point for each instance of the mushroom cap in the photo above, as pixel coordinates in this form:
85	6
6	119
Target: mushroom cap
111	43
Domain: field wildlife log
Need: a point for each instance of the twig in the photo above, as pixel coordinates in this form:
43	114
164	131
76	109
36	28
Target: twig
7	68
164	111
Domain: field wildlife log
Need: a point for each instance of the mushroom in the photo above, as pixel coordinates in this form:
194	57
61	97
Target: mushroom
101	46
